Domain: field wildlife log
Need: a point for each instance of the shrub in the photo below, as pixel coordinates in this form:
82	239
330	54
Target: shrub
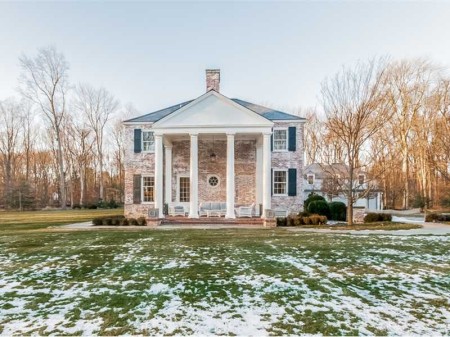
112	204
141	221
306	220
434	217
91	206
76	206
338	211
132	222
312	197
304	213
376	217
97	221
124	222
319	207
281	222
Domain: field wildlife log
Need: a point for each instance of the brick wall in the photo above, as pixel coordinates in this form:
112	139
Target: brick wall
290	159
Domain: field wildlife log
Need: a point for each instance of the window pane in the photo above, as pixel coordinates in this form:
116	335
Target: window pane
279	182
310	180
148	187
280	139
148	141
184	189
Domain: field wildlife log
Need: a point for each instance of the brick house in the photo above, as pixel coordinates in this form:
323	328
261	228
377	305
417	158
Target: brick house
213	149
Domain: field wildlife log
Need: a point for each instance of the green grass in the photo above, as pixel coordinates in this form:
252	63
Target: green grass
12	221
224	282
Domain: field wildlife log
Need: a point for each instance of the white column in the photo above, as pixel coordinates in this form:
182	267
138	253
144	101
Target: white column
259	170
267	171
159	174
230	176
193	208
168	184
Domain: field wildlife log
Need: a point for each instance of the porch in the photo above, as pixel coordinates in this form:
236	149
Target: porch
212	175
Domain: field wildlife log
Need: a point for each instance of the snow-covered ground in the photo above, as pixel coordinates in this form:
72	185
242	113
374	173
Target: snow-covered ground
176	283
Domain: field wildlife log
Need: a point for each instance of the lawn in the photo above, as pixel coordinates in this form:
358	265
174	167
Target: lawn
228	281
11	221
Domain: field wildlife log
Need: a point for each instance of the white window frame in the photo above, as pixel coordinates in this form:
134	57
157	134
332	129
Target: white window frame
152	150
313	178
184	175
273	182
287	140
142	189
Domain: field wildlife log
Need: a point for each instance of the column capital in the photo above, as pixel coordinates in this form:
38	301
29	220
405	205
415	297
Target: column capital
267	134
193	134
158	135
231	134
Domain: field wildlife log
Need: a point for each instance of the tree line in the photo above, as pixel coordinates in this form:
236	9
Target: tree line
61	144
390	119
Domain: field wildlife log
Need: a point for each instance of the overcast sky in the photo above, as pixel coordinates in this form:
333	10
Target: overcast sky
154	54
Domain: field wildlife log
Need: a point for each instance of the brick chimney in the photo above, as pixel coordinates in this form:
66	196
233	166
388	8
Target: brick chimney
212	79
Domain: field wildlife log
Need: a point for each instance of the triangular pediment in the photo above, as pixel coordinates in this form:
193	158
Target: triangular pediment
212	110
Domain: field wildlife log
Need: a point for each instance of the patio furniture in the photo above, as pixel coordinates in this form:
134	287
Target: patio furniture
213	208
245	211
177	211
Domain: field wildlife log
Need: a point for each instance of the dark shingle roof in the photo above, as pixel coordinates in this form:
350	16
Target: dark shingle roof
271	114
268	113
157	115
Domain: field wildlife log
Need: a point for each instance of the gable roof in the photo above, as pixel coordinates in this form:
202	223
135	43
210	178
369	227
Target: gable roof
268	113
209	110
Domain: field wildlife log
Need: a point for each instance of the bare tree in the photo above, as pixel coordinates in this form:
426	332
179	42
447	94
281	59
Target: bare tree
408	83
11	120
98	106
355	106
45	82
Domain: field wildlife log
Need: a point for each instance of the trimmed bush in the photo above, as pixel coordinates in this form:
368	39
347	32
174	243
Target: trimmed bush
141	221
436	217
319	207
132	222
108	220
338	211
377	217
91	206
124	222
76	206
312	197
281	222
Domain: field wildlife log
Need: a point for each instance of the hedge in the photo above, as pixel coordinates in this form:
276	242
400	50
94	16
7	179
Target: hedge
338	211
319	207
118	220
377	217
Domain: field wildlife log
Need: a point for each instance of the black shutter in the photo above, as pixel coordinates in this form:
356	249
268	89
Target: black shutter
137	189
292	138
137	140
292	181
271	142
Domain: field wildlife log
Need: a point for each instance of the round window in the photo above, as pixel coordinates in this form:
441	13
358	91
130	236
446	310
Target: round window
213	181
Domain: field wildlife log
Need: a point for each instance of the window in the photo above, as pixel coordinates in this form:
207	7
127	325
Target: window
310	179
361	179
148	189
213	181
148	141
280	140
279	182
185	189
